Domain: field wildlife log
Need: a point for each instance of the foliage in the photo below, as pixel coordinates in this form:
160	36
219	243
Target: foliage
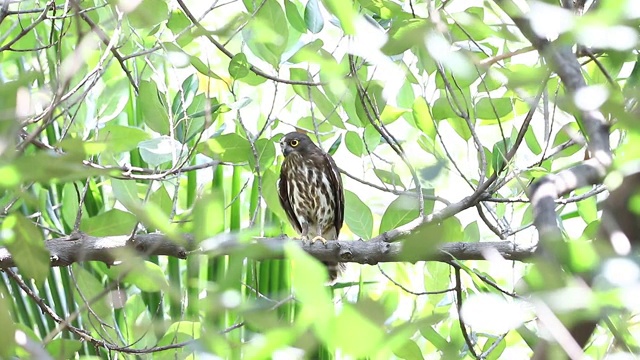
119	118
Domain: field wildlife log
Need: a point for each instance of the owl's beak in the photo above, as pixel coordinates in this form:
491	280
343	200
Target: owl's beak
285	149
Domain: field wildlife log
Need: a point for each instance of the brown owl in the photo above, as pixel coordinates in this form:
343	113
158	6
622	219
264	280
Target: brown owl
311	193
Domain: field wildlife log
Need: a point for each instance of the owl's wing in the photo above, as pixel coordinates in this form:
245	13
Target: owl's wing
338	193
285	199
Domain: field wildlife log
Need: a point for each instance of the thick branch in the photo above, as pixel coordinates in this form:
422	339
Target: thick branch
110	249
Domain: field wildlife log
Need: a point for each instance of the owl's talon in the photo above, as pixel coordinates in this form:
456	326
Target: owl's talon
304	239
324	241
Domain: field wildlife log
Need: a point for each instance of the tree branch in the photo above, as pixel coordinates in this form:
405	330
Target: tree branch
110	249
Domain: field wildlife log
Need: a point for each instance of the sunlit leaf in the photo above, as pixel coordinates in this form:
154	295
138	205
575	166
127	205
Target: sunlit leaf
357	215
110	223
121	138
145	275
371	138
266	150
487	108
409	350
148	13
389	177
26	244
294	17
422	117
239	66
401	211
63	348
7	335
404	34
228	147
345	12
390	114
154	111
313	17
354	143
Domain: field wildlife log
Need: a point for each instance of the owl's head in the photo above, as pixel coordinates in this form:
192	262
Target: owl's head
296	142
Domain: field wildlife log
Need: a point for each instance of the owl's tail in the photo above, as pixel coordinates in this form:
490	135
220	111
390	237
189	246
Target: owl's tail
334	270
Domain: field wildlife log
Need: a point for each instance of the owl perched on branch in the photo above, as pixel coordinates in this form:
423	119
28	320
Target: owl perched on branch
311	192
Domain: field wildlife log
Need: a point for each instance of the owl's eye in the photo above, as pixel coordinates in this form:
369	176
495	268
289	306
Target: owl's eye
294	143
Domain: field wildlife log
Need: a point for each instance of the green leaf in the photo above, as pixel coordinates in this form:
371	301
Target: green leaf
563	136
404	34
427	238
390	114
294	17
110	223
334	147
498	154
120	138
497	350
385	9
210	206
148	13
266	154
326	107
300	75
125	192
309	52
162	199
434	338
409	350
357	344
231	148
178	21
357	215
63	348
389	177
203	68
91	288
145	275
183	99
181	331
345	11
70	206
493	109
442	110
371	137
422	117
472	232
587	208
402	210
26	244
308	285
239	66
7	323
115	97
354	143
532	141
437	276
47	167
267	33
461	127
159	150
313	17
154	112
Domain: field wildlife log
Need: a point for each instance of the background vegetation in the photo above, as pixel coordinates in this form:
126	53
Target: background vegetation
138	155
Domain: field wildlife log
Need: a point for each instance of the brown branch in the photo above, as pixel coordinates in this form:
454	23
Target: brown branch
110	249
463	326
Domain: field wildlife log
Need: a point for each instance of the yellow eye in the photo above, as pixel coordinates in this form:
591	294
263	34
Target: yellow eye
294	143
